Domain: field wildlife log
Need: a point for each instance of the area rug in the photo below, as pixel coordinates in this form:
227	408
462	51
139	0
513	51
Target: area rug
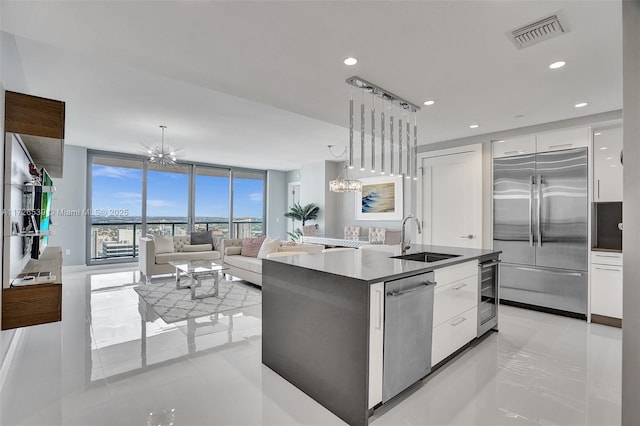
174	305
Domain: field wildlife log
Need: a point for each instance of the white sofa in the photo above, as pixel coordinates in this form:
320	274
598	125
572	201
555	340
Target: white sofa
152	263
250	268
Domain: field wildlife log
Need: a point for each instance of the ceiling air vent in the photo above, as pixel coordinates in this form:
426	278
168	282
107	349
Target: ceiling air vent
538	31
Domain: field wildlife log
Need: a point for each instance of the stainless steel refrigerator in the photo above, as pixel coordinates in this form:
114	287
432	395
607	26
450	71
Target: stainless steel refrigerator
540	224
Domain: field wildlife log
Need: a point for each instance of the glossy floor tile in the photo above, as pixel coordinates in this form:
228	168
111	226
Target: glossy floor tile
112	361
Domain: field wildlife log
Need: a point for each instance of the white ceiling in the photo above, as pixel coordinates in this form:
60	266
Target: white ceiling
261	84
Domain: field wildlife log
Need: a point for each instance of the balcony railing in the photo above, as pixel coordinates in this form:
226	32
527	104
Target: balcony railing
118	240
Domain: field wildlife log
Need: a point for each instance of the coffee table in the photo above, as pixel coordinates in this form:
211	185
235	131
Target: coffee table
197	271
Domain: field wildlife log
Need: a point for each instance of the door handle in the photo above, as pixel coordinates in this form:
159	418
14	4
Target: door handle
411	290
467	237
539	210
379	322
566	274
532	181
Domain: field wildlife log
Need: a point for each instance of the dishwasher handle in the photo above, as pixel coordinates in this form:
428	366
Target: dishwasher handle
410	290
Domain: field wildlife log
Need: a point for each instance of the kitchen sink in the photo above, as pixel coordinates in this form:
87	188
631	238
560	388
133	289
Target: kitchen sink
426	257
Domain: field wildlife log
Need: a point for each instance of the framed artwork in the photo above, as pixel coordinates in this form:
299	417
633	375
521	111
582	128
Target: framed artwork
380	199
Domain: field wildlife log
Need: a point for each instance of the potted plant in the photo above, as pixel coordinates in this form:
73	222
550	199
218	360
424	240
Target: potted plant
303	214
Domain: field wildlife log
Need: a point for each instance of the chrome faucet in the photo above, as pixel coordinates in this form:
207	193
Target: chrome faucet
404	246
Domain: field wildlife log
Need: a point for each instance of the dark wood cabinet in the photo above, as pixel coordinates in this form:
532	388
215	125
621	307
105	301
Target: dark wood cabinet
40	124
31	304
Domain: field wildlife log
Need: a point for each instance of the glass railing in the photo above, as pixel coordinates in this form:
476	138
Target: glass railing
119	240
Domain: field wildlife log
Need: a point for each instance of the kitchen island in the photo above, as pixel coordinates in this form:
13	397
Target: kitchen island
352	329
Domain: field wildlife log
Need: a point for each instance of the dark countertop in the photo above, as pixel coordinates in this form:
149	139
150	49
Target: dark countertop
373	266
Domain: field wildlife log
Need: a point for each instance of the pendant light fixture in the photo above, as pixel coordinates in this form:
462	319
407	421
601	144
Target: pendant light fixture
162	155
343	182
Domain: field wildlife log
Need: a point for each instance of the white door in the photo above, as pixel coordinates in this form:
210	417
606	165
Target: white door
450	197
293	197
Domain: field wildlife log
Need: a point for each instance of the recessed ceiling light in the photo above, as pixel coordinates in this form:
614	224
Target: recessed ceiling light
557	65
474	126
350	61
597	133
581	104
429	102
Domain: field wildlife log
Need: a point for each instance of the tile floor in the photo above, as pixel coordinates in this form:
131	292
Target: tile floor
113	362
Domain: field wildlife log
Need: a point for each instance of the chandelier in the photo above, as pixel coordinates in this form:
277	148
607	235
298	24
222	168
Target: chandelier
163	154
344	182
406	163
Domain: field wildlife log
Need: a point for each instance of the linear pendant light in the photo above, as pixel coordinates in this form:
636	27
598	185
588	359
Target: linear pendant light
408	176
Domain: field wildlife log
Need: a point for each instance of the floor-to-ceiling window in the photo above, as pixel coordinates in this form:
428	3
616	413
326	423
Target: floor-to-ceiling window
168	200
129	198
248	203
116	206
212	202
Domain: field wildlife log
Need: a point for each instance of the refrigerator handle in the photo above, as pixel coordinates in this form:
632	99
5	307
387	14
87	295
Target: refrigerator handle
539	210
532	182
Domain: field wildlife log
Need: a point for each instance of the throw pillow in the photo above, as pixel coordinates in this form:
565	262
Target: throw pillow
251	246
203	237
269	245
163	244
197	247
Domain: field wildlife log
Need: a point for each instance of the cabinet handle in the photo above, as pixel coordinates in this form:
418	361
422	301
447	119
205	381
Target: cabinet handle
457	321
459	286
561	145
379	322
608	269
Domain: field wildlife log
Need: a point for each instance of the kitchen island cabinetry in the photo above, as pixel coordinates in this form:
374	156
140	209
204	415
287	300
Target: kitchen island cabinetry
325	318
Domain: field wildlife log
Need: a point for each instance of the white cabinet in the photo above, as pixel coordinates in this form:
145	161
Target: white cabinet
515	146
562	139
606	284
376	342
453	334
607	164
455	314
542	142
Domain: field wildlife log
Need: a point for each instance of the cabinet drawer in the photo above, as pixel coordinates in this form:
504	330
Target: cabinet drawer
606	258
563	139
452	299
455	273
515	146
606	290
453	334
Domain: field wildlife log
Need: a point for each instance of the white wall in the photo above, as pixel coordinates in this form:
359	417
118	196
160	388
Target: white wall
631	207
276	204
68	230
314	188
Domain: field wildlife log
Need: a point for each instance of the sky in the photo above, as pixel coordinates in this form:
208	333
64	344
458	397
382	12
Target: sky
117	190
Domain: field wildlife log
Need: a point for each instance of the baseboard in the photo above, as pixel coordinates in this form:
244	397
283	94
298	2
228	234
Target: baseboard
605	320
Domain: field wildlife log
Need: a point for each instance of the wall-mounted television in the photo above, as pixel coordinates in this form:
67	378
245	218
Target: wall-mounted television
43	196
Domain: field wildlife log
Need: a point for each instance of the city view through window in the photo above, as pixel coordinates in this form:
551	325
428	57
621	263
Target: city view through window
117	203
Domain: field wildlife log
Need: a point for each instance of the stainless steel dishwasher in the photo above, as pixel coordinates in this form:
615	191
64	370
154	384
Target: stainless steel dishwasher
408	323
